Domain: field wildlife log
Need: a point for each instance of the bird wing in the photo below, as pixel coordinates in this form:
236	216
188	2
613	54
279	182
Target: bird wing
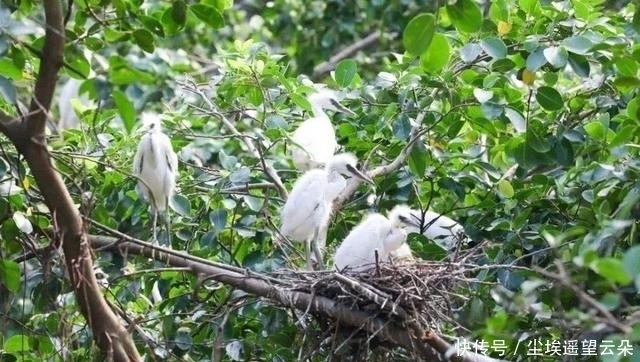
358	248
317	138
303	206
441	229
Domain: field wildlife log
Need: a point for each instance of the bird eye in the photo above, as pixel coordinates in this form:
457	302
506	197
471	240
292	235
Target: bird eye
359	166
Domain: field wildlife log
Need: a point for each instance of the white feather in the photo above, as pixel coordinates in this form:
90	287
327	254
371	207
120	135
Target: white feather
315	139
444	231
308	207
374	233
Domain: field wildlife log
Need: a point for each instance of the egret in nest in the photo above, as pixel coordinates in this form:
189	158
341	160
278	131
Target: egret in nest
156	165
315	138
444	231
308	207
373	240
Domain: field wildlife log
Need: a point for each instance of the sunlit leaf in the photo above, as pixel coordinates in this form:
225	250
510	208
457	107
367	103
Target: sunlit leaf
125	108
612	269
345	72
494	47
10	275
437	56
465	15
418	34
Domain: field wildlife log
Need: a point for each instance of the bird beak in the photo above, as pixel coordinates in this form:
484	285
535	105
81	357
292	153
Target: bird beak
343	109
355	172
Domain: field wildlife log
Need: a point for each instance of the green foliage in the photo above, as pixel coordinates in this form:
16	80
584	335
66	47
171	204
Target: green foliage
532	133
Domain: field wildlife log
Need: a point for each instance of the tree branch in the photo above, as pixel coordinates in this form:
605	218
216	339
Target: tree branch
253	149
352	184
325	67
29	138
427	344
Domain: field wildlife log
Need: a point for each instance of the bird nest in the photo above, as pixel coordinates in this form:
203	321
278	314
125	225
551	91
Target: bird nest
416	293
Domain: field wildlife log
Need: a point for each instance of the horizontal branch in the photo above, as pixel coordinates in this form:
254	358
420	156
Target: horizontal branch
326	67
426	344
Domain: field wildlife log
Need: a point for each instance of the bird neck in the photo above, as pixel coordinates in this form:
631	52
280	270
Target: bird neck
318	111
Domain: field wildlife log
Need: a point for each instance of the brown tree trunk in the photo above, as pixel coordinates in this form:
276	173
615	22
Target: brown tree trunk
28	137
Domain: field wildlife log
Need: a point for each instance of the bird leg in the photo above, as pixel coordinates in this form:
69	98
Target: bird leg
316	251
155	221
167	222
307	253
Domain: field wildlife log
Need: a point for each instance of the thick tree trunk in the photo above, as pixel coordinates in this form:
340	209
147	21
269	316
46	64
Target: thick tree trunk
28	137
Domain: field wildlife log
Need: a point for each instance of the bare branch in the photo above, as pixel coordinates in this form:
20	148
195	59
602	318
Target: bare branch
253	149
325	67
413	338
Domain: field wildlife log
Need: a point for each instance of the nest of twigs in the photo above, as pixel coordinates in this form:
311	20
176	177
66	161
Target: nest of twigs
414	293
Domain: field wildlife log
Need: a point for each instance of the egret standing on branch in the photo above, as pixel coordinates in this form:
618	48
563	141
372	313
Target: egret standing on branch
308	207
315	138
445	232
376	234
155	165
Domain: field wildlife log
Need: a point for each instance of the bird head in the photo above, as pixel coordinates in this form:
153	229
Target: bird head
401	216
150	122
346	164
327	99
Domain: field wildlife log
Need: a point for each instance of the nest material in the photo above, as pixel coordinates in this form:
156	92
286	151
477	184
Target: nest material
414	293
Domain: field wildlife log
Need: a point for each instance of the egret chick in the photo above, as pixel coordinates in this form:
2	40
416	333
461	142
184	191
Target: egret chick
402	255
315	138
155	165
374	233
308	207
445	232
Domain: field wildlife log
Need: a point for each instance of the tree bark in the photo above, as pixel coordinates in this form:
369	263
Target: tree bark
28	135
426	344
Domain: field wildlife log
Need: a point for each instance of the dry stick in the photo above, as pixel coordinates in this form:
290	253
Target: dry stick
382	299
268	170
326	67
412	338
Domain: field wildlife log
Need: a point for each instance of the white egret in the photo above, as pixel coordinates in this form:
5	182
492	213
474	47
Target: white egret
403	254
308	207
375	233
315	138
156	165
445	232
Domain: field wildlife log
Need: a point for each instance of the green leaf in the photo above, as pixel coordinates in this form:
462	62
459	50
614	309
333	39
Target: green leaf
218	218
556	56
549	98
579	64
418	160
125	108
494	47
144	39
181	205
636	19
208	14
17	343
437	56
418	34
179	12
536	59
465	15
529	6
536	136
506	189
631	263
346	71
9	70
503	65
7	90
611	269
577	44
10	275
